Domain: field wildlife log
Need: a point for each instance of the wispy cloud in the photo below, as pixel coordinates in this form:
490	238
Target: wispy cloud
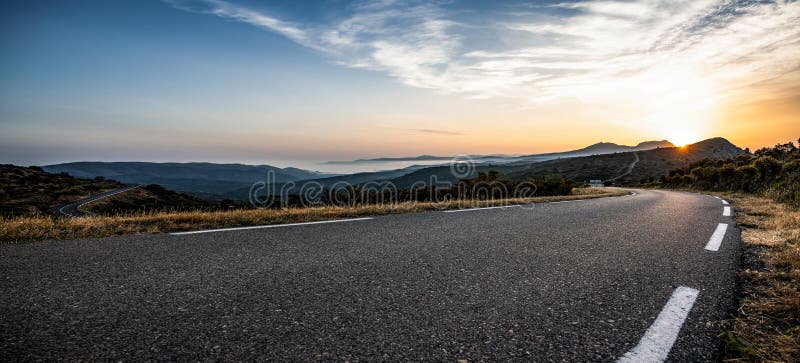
591	51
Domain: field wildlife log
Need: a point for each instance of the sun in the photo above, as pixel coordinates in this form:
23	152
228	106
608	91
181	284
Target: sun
676	103
682	137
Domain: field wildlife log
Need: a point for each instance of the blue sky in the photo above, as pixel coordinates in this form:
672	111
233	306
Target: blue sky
287	81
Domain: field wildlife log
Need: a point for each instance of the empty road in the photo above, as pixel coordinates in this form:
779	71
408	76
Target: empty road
599	280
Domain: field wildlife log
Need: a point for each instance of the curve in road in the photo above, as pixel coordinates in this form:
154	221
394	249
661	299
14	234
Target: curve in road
72	209
596	280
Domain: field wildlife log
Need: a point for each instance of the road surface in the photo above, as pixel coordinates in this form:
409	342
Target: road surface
597	280
72	210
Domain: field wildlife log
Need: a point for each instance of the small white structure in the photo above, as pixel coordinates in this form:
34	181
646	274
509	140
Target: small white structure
596	183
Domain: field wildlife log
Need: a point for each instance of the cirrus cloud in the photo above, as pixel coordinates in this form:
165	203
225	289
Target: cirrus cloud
586	50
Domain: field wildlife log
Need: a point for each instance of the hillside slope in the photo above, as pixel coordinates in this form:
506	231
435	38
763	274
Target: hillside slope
598	148
652	163
207	180
29	190
604	148
149	198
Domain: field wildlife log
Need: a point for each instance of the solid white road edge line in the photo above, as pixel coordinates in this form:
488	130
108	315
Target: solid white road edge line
62	211
109	195
519	205
716	238
659	338
269	226
726	212
724	201
483	208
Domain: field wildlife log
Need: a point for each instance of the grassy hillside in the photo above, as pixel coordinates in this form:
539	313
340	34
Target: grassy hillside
30	190
772	172
150	198
652	164
21	229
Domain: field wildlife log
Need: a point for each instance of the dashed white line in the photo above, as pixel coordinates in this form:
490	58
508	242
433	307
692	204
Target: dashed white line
659	338
716	197
724	201
269	226
726	212
716	238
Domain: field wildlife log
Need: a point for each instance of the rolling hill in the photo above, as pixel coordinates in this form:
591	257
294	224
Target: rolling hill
598	148
652	163
602	161
207	180
149	198
30	190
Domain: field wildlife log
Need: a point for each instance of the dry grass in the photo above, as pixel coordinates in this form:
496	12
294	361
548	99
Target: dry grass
767	325
37	228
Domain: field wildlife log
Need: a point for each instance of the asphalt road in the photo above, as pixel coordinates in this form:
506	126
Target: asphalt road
72	209
580	281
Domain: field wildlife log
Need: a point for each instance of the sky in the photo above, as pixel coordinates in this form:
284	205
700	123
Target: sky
298	83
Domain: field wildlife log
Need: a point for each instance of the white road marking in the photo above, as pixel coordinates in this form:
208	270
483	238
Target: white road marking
724	201
659	338
269	226
483	208
716	238
109	195
726	212
520	205
93	199
567	201
63	212
716	197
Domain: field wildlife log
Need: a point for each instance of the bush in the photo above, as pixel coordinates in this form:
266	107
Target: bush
772	171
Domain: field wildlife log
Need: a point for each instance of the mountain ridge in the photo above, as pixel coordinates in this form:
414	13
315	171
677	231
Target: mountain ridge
221	181
604	147
198	178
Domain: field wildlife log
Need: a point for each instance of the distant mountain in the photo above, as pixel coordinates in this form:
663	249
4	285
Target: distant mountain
610	147
598	165
207	180
599	148
349	179
652	163
599	161
443	159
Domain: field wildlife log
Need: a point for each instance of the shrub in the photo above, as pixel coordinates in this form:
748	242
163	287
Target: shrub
772	171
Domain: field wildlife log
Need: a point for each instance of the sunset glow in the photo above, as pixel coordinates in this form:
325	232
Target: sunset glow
371	79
